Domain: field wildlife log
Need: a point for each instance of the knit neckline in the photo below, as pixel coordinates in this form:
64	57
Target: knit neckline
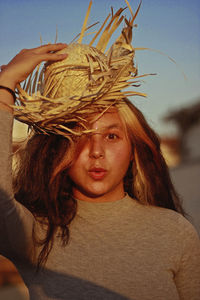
98	209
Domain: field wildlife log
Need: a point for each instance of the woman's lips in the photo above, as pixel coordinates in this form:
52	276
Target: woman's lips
97	173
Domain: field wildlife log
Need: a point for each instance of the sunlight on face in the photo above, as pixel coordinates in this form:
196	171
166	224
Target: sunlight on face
101	165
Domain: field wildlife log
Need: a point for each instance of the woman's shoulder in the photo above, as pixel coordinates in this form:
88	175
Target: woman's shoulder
165	219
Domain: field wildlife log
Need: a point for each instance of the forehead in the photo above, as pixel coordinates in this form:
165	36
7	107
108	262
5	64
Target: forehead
108	120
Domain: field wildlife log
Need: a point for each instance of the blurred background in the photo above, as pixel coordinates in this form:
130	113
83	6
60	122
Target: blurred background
172	106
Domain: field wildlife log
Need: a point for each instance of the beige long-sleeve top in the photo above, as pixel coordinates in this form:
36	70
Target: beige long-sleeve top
118	250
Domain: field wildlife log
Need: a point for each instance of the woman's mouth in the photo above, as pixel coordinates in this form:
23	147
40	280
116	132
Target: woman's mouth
97	173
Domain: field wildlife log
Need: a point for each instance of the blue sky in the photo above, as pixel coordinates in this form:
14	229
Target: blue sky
169	26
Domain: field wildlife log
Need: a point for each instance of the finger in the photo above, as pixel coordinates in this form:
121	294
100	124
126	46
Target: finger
49	48
54	57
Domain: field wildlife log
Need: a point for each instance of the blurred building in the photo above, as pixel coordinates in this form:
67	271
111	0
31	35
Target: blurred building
188	122
186	171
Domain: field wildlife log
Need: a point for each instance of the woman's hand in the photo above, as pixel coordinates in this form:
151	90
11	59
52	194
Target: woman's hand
24	63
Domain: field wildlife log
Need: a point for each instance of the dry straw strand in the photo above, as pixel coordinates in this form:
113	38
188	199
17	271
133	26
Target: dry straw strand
59	96
85	23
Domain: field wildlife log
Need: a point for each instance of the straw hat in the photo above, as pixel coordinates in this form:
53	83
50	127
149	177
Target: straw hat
88	81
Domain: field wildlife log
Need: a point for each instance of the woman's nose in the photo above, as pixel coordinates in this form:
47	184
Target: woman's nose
96	146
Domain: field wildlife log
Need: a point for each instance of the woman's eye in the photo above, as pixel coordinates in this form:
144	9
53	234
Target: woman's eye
112	136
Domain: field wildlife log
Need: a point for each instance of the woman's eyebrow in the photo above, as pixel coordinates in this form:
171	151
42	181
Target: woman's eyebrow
105	128
109	127
114	125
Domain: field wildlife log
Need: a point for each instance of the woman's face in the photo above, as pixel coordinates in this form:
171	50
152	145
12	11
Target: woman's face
101	165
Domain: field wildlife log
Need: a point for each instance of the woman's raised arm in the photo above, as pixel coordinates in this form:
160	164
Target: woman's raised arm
16	222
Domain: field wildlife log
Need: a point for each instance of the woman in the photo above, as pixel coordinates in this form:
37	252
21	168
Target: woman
93	208
118	248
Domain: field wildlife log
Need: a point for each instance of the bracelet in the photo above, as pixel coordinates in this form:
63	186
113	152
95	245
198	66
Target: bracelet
9	90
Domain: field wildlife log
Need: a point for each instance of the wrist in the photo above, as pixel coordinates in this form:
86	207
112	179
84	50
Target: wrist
6	99
7	93
7	81
10	91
